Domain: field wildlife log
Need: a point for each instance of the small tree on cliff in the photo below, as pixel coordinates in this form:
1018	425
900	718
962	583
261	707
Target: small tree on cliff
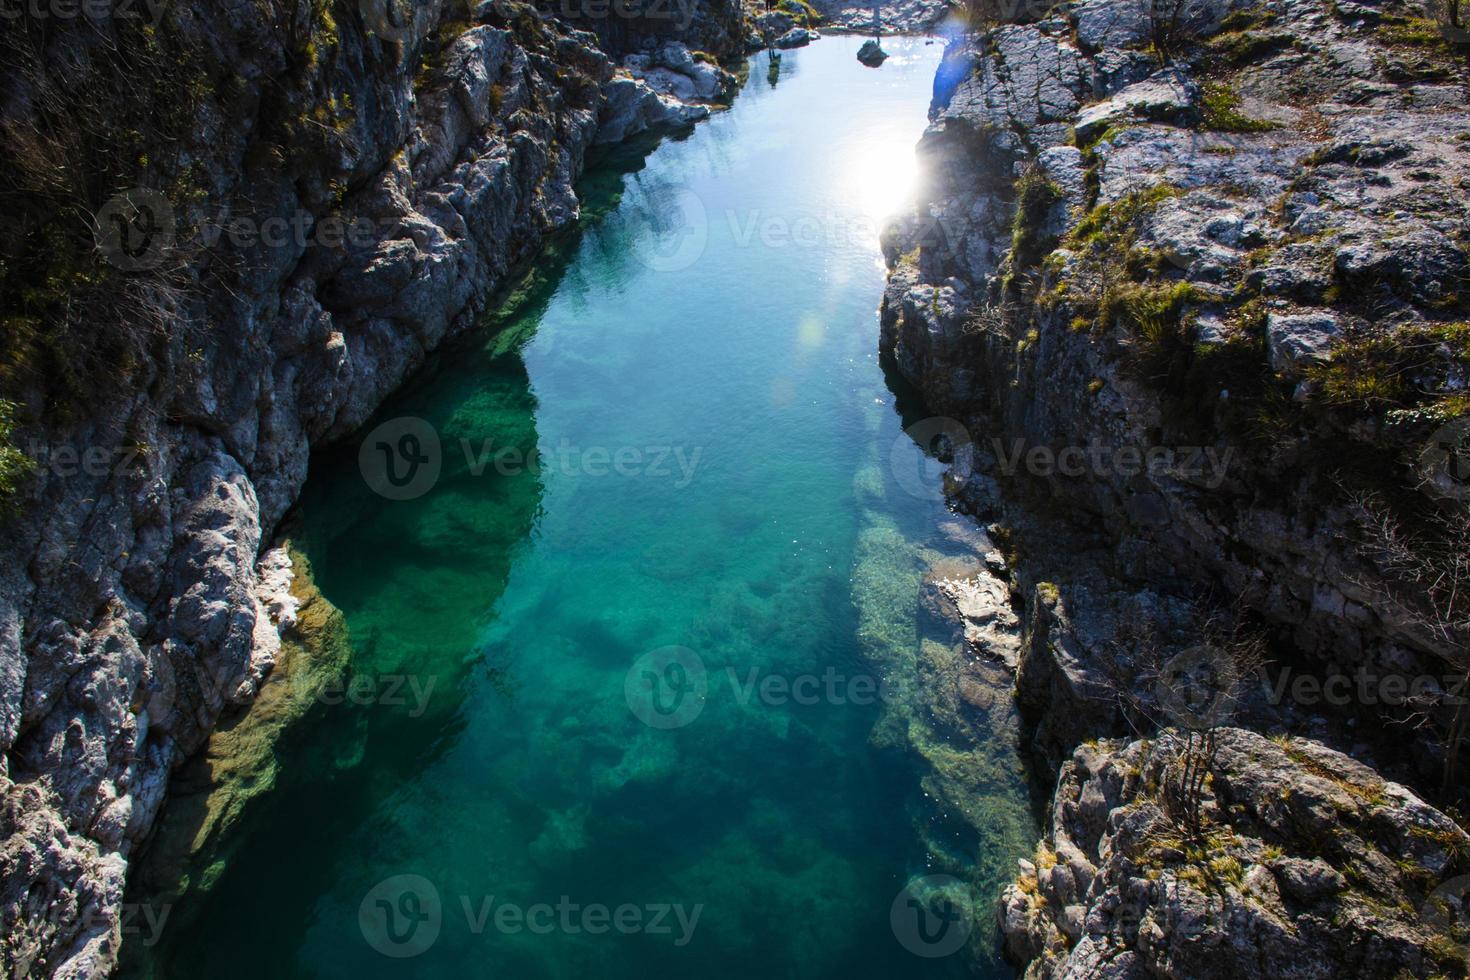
1188	696
1166	28
1450	14
1423	582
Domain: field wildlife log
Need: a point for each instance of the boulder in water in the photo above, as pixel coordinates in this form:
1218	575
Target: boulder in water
871	53
797	37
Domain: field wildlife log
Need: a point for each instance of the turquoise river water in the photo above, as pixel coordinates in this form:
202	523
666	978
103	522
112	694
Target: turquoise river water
618	641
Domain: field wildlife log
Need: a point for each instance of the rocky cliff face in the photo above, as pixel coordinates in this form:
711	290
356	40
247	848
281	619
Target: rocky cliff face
1187	285
1317	868
1206	306
321	194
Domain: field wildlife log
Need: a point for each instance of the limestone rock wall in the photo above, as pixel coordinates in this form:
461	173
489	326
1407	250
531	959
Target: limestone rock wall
1190	288
1193	271
446	145
1315	867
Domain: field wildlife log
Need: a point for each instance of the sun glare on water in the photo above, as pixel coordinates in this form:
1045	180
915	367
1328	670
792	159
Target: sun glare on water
881	177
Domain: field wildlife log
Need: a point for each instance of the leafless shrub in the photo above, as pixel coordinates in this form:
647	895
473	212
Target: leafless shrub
80	111
1170	28
1450	14
1187	696
993	319
1423	581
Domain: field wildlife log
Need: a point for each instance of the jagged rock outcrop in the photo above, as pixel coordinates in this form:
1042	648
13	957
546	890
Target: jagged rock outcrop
634	107
1193	291
715	27
667	88
324	201
1231	288
797	37
1309	866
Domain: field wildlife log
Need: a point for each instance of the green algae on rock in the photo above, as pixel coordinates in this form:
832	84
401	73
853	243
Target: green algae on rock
211	795
935	624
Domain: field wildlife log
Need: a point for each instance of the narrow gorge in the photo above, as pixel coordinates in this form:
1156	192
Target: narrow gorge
678	487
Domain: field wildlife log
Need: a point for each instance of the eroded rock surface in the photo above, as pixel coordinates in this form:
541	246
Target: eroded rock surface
132	613
884	17
1225	263
1194	297
1310	866
668	88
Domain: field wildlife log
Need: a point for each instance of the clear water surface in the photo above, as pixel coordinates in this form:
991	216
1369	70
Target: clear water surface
695	379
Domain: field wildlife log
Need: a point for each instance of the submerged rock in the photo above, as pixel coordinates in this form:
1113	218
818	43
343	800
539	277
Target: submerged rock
890	17
935	625
872	53
213	791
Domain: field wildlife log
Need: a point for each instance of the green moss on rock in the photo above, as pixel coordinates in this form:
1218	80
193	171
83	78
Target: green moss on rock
1220	111
212	792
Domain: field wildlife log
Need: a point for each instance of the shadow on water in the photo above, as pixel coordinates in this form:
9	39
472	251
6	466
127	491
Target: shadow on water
399	703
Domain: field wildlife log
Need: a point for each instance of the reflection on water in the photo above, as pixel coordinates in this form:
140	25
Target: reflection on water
652	592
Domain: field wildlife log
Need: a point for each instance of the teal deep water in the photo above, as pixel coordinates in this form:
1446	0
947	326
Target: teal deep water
676	437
